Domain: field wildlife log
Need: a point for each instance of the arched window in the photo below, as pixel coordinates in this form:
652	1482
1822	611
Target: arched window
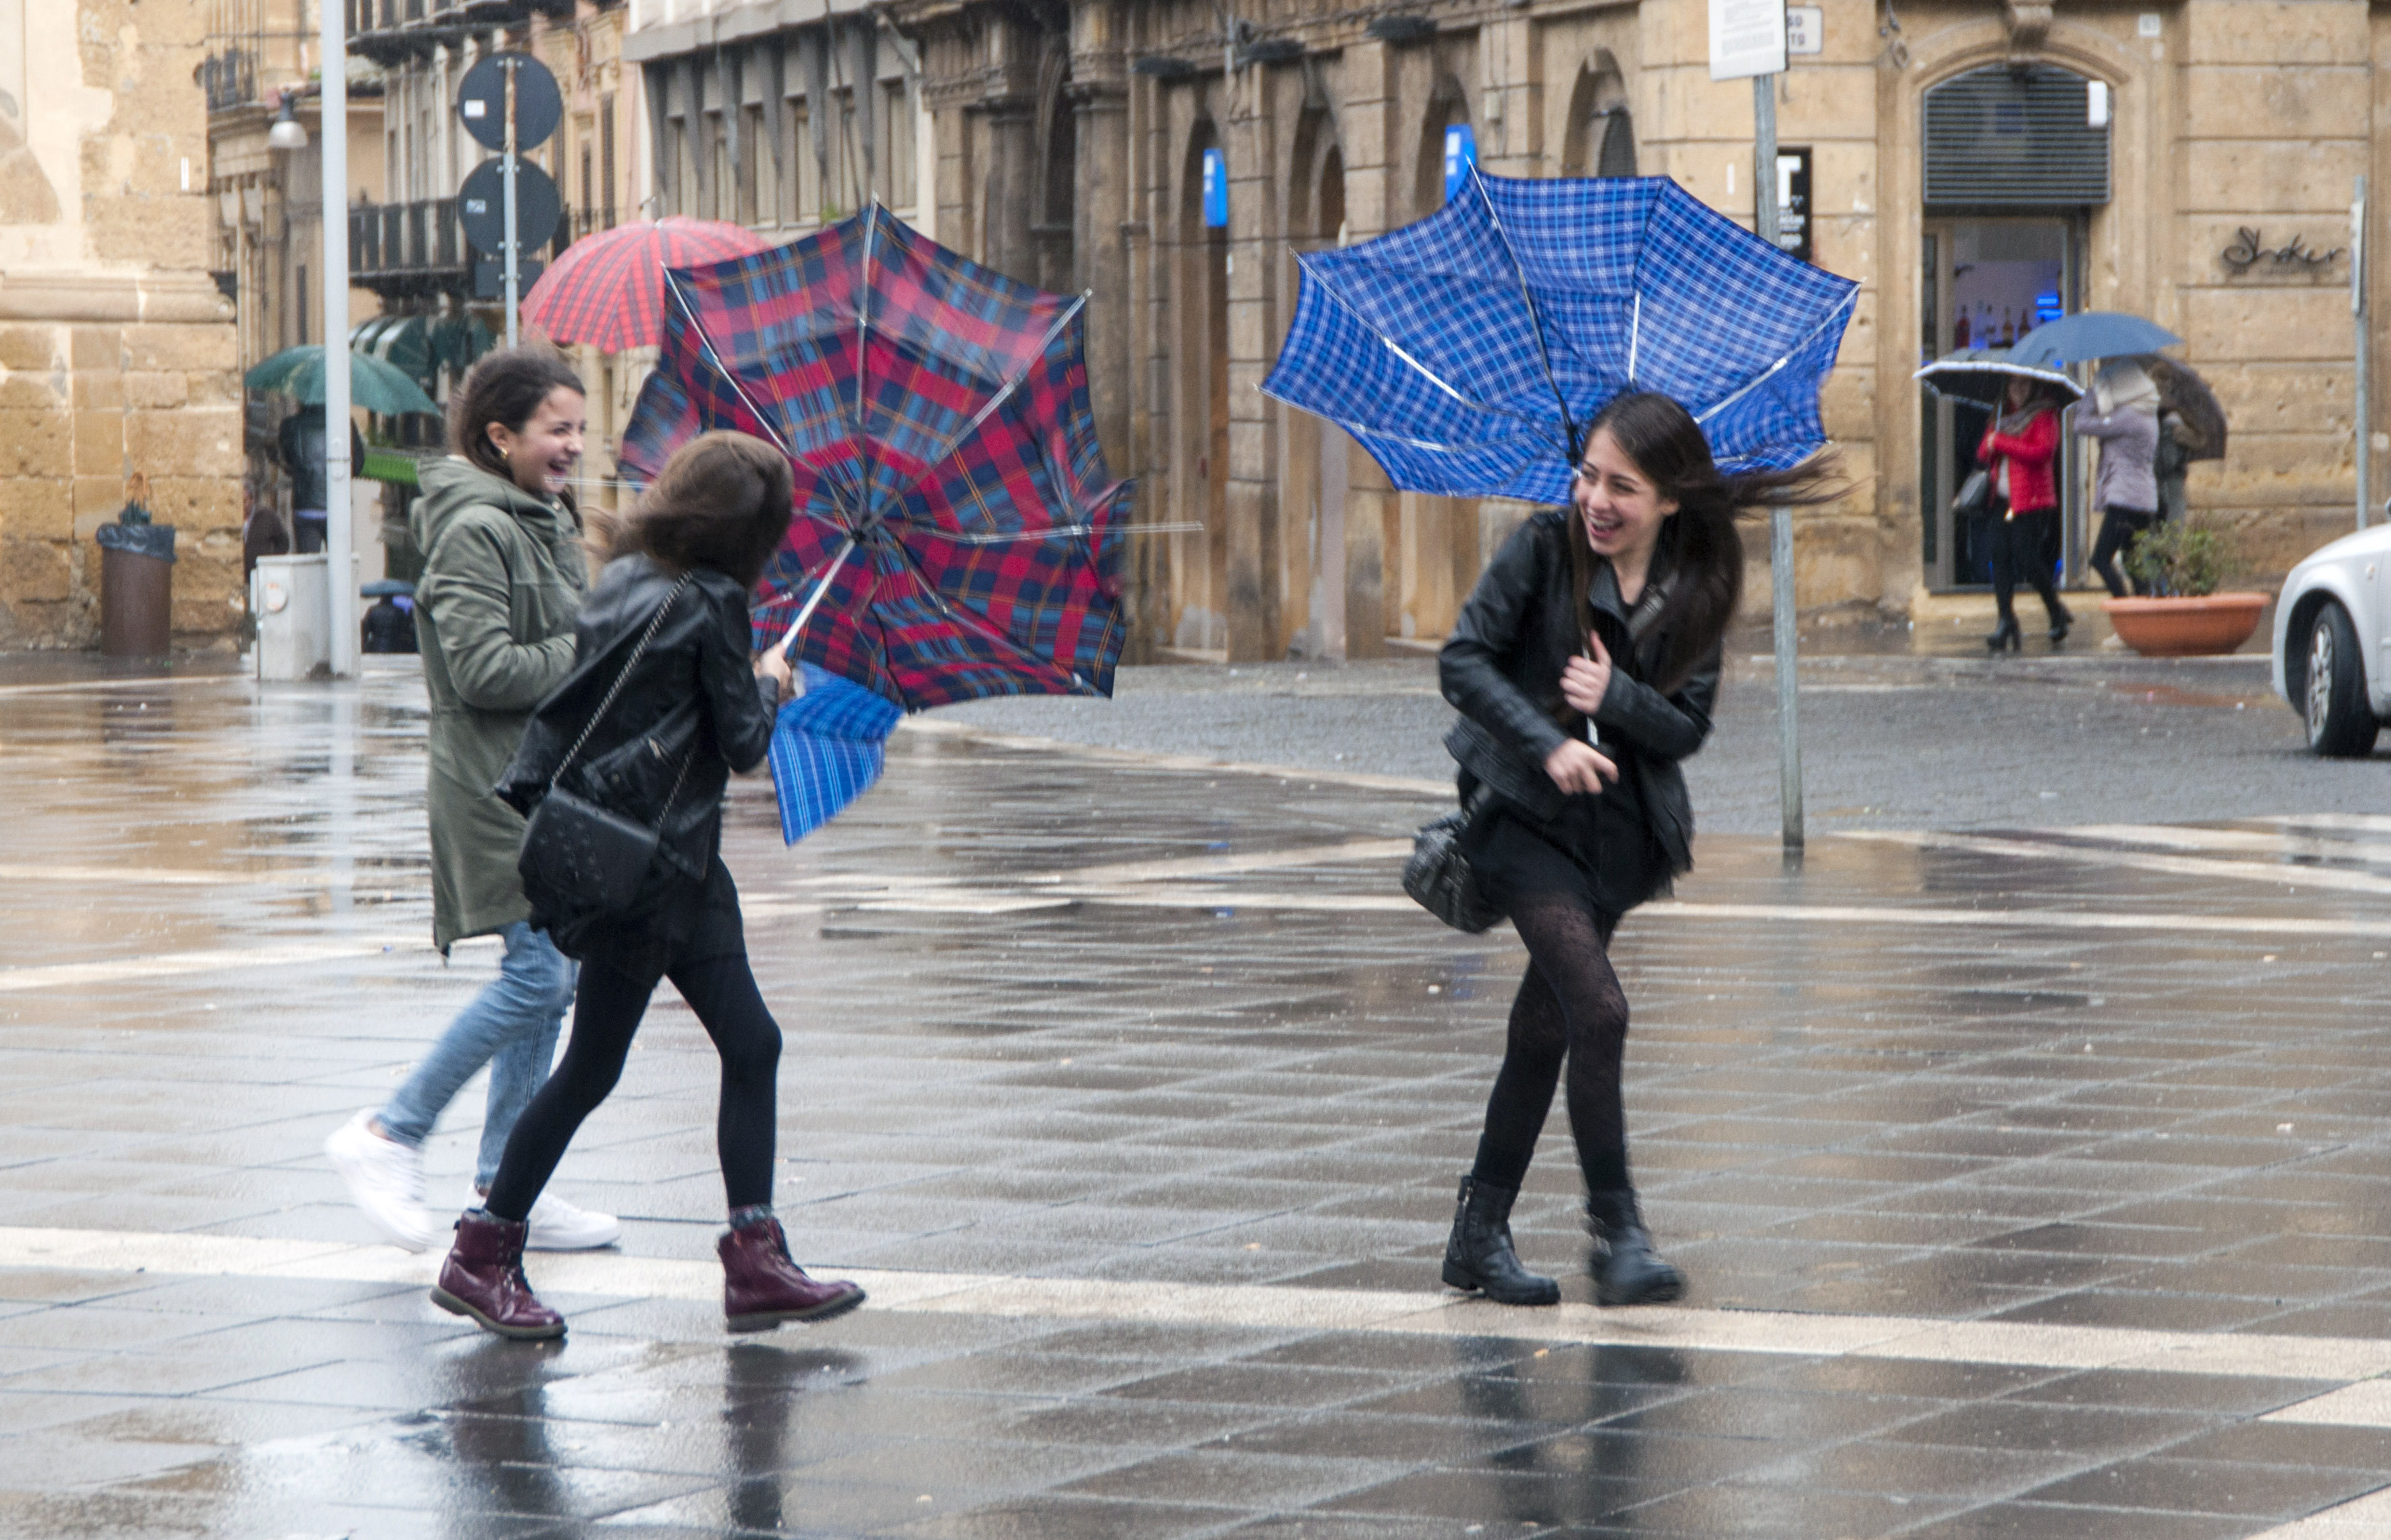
1601	139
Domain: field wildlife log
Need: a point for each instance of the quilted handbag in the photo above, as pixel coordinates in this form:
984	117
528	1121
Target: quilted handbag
581	859
1438	876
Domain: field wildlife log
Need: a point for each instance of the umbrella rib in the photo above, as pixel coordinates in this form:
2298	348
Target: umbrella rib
1770	372
672	287
1304	261
1527	298
821	587
862	338
1361	430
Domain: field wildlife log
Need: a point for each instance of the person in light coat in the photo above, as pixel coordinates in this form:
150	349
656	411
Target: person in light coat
2124	417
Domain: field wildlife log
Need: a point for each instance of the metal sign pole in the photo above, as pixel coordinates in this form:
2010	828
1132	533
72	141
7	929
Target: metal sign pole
511	258
2365	445
1781	520
340	519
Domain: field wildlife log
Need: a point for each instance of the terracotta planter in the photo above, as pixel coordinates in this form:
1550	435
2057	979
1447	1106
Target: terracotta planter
2184	628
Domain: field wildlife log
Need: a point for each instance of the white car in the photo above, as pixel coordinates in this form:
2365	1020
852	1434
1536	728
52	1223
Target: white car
2333	653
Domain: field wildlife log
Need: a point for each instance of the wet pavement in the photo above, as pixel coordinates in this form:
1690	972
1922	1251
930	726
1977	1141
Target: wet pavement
2032	1177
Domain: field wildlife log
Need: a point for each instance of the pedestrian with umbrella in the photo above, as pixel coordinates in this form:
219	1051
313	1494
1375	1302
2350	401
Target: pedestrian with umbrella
662	705
503	576
2022	507
1613	346
2125	420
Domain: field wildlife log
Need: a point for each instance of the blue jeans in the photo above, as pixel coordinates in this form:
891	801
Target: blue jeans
512	1027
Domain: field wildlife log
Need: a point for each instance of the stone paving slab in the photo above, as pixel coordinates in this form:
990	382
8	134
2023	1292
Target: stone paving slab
1138	1096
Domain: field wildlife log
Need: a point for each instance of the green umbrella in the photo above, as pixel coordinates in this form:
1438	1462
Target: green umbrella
298	372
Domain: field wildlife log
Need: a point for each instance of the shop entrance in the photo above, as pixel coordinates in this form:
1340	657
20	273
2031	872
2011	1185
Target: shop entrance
1986	283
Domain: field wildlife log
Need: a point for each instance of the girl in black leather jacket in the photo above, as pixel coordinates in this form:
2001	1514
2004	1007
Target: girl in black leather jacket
1584	666
691	711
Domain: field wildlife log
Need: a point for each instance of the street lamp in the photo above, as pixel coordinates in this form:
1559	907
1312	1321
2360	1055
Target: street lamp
288	132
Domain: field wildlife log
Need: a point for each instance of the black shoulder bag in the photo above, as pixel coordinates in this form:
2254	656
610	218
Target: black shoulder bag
581	861
1438	876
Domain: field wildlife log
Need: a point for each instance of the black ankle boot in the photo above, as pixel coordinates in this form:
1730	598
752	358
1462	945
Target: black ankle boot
1479	1255
2005	635
2060	622
1626	1270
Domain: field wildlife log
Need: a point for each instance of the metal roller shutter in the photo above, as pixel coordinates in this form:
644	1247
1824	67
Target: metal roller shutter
2015	139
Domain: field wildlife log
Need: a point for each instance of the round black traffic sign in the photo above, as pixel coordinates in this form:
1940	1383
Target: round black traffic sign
481	102
482	208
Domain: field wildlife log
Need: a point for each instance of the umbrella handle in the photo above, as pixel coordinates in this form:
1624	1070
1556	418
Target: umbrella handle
821	587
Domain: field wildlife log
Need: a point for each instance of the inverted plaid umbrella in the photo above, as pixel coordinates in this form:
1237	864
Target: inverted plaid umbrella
828	748
1467	352
956	528
607	289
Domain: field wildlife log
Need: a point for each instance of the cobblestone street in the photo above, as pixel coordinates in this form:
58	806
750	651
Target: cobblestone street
2033	1176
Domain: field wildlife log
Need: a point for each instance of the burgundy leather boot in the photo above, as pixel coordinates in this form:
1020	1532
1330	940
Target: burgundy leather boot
484	1278
761	1287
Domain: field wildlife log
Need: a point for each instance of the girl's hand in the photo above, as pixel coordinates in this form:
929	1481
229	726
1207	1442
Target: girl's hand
1586	680
1576	768
774	664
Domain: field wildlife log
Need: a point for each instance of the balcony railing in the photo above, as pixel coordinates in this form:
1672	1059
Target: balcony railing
411	247
230	79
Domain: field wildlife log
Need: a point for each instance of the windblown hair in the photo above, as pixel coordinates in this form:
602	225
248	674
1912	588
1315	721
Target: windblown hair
506	387
1699	556
722	502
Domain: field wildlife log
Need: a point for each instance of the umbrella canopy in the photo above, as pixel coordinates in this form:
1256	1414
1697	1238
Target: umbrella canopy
2091	334
1981	374
607	289
1467	351
955	526
828	748
2183	392
298	372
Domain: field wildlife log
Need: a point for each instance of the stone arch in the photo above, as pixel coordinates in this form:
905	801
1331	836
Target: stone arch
1600	140
1055	181
1447	104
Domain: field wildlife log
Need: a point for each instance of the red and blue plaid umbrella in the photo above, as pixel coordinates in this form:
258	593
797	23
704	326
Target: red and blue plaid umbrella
607	289
955	522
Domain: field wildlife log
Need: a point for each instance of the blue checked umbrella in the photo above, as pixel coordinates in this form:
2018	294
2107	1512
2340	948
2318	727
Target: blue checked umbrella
828	747
1467	351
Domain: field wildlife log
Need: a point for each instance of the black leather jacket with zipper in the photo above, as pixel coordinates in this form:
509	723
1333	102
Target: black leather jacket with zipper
693	696
1501	668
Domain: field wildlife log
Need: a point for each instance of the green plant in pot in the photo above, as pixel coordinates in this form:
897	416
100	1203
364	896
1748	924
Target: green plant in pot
2181	566
2179	560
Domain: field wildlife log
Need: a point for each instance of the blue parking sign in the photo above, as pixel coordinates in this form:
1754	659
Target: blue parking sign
1460	154
1216	190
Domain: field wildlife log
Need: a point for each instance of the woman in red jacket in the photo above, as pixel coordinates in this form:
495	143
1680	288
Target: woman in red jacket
2018	450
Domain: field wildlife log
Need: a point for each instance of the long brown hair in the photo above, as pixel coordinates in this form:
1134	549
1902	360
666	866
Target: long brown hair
1699	555
722	502
506	387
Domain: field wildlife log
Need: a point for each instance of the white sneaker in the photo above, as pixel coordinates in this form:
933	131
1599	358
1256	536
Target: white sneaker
557	1226
385	1180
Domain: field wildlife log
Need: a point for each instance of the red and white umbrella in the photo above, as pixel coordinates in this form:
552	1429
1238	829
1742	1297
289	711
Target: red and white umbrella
607	290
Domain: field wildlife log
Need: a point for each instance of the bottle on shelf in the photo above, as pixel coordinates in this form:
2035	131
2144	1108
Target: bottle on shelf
2009	326
1959	331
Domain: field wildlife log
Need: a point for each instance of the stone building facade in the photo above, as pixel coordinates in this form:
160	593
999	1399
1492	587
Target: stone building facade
117	348
1072	138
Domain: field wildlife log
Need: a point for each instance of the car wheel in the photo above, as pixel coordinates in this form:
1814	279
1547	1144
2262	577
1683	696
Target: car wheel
2333	706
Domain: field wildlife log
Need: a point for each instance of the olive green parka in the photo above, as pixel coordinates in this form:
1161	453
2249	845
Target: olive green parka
503	576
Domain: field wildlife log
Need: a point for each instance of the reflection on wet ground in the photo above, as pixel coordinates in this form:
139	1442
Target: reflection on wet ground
2117	1091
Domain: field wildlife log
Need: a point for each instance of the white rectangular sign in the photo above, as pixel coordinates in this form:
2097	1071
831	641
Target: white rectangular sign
1805	28
1746	38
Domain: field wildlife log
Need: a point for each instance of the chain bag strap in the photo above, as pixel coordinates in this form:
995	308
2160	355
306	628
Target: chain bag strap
581	863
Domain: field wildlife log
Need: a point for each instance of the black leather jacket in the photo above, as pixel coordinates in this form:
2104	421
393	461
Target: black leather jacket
694	696
1501	668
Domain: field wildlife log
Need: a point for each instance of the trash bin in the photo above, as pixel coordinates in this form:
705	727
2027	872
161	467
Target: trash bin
137	584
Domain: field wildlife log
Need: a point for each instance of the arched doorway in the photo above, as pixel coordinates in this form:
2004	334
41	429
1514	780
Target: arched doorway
1200	561
1318	468
2016	161
1052	224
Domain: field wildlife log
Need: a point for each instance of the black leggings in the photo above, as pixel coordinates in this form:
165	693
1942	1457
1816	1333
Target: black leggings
1569	1006
2118	527
606	1012
2026	547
